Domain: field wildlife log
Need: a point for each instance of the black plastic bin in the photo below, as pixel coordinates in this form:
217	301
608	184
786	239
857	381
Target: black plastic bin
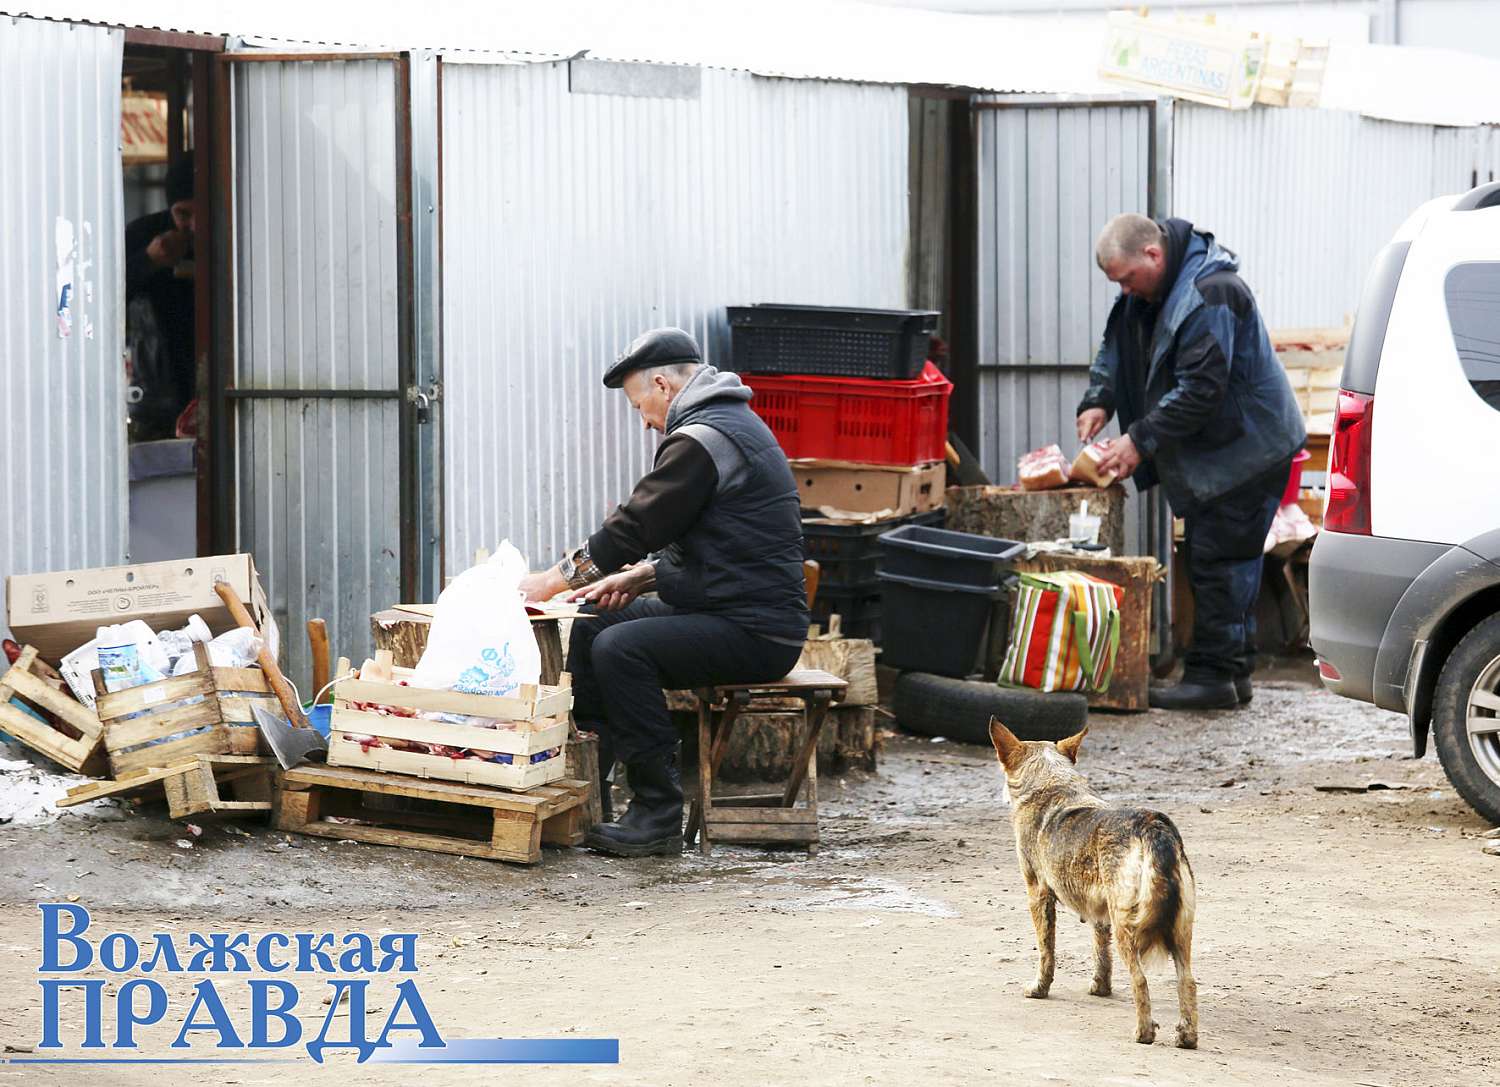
839	541
830	341
934	626
859	608
959	558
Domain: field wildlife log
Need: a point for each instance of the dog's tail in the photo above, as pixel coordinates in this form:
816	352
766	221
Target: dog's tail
1169	895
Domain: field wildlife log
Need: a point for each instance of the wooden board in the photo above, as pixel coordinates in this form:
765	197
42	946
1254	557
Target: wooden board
1130	687
221	785
519	775
147	781
468	820
531	704
1009	513
38	685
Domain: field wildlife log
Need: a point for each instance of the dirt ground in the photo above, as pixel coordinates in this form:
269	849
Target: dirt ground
1342	938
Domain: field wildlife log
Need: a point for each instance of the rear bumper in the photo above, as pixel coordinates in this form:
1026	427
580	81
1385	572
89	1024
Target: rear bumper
1354	586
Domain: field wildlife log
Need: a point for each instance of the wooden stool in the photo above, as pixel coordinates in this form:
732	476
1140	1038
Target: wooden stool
769	817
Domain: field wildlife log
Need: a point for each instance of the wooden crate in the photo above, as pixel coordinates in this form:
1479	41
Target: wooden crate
221	785
471	820
540	713
75	740
169	723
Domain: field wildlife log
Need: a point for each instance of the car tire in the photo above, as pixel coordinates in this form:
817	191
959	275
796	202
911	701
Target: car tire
1472	763
960	709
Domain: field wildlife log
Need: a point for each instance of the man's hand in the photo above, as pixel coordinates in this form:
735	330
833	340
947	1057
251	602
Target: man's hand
1121	457
1091	422
543	585
618	589
169	247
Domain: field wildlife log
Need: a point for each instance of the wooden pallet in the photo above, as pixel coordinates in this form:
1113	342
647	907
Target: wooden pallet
447	817
77	744
221	785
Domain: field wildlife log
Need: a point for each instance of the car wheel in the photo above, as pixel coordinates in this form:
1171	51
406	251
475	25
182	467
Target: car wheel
1466	718
960	709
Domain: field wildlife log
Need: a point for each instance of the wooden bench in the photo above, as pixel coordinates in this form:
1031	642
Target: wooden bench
766	818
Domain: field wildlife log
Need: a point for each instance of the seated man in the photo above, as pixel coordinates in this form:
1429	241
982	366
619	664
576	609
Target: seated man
720	516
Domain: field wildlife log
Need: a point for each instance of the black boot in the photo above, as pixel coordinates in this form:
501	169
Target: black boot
653	822
1243	690
1196	693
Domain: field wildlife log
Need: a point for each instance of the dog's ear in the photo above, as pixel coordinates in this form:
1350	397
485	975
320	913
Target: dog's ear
1010	749
1070	746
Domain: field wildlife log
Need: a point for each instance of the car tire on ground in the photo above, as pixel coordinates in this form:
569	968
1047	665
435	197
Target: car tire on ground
1472	762
960	709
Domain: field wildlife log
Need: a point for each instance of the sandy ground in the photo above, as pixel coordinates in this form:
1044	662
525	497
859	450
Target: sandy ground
1341	939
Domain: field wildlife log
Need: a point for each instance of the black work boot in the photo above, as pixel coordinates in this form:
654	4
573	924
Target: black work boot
1243	690
653	822
1196	692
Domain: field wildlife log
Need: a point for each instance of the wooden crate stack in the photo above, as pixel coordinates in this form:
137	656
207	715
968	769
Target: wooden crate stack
375	789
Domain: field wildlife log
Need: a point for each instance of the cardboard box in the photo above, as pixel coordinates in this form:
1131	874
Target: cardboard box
869	488
58	612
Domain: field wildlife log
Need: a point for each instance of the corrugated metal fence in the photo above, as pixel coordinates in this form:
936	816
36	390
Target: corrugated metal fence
573	221
63	502
1308	197
317	459
1050	177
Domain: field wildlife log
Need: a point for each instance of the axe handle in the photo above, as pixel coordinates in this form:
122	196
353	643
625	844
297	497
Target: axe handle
283	689
317	639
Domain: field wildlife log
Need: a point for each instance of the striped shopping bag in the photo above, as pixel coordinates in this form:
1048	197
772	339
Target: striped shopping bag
1064	633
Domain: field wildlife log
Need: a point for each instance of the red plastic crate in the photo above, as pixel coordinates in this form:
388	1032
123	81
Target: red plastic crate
856	419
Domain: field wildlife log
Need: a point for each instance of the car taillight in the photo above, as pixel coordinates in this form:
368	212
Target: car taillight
1349	465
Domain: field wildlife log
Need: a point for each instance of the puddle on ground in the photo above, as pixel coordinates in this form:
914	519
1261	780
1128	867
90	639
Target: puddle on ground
856	893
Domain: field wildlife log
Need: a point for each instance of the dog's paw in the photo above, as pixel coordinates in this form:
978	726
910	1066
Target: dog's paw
1037	991
1146	1035
1187	1037
1100	987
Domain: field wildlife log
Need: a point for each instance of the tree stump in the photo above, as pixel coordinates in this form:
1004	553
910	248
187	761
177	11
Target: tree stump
1009	513
404	633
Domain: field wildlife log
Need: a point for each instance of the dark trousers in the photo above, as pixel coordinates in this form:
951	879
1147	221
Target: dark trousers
1225	552
622	660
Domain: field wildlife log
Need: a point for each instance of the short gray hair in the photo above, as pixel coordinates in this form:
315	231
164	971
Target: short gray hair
1126	236
673	371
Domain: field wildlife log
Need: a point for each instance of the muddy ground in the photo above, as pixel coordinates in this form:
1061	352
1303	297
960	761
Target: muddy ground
1343	938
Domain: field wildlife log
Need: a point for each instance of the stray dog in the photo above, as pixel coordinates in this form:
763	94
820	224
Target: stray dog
1123	869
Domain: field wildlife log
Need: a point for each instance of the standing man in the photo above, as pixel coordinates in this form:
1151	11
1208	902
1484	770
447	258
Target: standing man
160	309
1205	409
715	528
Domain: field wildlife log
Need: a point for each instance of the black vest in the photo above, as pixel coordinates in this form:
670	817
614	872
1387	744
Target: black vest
742	559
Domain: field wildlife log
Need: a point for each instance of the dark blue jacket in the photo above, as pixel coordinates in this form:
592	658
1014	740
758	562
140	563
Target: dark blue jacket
1193	378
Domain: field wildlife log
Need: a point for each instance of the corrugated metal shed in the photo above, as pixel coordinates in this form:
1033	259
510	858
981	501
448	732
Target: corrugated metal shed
63	501
316	309
572	222
1307	197
1049	179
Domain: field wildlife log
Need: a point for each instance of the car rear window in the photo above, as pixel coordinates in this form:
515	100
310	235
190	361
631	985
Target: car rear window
1472	292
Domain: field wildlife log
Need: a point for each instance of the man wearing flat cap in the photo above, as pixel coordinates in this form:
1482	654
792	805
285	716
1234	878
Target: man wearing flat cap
715	530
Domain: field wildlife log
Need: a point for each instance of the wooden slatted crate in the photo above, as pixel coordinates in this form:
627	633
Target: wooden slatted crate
206	712
539	714
58	725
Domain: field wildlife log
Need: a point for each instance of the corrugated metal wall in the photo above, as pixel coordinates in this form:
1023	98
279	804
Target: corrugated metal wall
571	222
316	309
63	499
1308	197
1050	177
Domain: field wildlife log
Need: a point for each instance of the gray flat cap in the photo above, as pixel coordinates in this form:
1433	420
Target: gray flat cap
659	347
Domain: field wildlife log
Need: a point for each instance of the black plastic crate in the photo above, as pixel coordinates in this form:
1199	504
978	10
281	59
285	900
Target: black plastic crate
840	542
834	575
934	626
937	554
859	608
833	342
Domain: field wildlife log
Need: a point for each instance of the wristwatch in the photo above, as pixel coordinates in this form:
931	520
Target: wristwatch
577	568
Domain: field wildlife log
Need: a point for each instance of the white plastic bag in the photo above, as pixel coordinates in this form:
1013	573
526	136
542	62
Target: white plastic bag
481	640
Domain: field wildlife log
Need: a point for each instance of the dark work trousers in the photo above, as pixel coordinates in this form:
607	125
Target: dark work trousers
1225	550
622	660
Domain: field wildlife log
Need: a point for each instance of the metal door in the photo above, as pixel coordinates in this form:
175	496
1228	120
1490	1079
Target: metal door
319	458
